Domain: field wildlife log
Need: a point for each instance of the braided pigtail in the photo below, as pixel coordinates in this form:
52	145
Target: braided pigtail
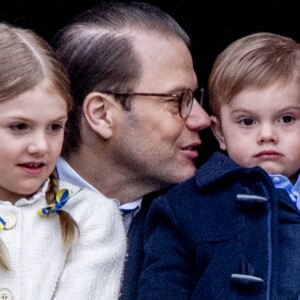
3	257
69	228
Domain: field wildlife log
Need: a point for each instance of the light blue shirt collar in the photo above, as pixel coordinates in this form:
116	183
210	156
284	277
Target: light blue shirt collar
66	173
283	182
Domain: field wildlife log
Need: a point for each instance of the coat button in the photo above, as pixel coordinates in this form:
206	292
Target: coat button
245	198
246	279
10	220
5	294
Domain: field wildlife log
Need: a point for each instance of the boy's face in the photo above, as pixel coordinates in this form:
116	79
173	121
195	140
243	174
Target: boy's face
261	127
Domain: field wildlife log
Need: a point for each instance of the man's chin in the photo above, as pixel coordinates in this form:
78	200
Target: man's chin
185	173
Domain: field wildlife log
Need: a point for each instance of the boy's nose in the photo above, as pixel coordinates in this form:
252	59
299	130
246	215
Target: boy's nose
267	134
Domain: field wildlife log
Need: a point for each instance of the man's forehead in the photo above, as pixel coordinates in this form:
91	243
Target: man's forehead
165	62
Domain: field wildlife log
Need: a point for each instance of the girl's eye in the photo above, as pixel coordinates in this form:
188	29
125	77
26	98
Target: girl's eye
19	127
247	122
56	127
286	119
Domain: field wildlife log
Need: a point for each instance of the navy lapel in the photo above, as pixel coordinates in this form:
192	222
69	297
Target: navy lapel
135	254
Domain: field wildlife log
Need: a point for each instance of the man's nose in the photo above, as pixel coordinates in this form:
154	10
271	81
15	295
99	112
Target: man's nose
198	118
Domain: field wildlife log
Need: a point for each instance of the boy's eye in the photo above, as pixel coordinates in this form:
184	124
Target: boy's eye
247	121
286	119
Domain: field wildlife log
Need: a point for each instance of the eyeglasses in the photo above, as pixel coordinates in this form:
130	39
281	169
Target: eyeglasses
185	98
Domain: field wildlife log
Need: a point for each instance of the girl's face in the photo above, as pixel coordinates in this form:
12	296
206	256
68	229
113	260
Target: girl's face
31	131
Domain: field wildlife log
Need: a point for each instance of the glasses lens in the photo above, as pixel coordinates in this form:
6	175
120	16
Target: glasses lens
186	101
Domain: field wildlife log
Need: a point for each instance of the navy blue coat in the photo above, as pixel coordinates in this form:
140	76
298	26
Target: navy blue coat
216	236
135	253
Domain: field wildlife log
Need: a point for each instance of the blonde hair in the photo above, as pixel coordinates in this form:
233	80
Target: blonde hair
27	60
254	61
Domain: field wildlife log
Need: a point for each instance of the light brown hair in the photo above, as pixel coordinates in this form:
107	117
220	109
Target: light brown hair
254	61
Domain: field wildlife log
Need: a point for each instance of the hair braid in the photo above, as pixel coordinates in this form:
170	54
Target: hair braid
69	228
3	257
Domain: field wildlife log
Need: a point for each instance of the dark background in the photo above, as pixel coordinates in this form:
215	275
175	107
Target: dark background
211	24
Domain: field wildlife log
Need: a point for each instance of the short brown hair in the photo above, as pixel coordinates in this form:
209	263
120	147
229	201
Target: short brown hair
97	49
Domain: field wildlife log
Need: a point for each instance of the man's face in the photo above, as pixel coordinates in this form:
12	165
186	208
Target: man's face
153	143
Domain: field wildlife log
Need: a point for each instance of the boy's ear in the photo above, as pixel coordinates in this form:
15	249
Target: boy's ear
98	110
216	128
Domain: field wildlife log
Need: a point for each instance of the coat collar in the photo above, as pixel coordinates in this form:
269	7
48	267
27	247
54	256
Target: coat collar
219	167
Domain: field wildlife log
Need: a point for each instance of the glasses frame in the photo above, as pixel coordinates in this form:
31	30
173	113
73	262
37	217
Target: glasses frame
177	96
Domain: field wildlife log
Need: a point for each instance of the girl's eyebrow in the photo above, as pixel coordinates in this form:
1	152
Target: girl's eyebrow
25	119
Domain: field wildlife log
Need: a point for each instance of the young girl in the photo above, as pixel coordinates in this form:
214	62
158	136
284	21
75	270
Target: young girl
57	241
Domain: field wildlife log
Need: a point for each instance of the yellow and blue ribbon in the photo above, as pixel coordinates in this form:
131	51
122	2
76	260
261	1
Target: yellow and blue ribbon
61	199
2	224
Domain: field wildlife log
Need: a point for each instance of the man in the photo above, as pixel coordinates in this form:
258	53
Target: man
134	128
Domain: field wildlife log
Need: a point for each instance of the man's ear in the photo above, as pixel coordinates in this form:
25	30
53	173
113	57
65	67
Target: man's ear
216	128
98	110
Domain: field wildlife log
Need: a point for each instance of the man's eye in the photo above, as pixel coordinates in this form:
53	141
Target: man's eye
173	101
